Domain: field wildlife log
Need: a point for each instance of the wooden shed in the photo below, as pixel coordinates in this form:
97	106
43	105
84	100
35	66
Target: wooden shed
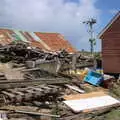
110	37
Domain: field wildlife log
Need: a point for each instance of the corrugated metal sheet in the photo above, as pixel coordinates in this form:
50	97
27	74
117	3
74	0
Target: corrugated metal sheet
55	41
5	39
33	42
47	41
26	36
34	36
20	35
14	36
39	40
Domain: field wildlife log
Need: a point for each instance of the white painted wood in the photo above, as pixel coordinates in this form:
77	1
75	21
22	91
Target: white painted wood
75	88
91	103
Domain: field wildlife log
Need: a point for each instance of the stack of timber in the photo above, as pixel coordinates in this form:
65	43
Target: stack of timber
33	94
51	61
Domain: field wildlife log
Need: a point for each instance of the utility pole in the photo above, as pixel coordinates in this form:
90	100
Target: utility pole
90	24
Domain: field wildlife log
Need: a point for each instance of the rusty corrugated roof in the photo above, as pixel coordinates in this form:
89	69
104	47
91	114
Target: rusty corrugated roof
4	36
55	41
47	41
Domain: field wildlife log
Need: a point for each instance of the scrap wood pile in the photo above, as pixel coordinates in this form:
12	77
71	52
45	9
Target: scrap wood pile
33	86
33	94
23	53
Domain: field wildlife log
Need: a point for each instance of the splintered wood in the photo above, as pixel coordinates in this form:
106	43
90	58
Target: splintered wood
19	95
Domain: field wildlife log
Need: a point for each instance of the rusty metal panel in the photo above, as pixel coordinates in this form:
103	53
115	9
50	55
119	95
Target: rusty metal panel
47	41
55	41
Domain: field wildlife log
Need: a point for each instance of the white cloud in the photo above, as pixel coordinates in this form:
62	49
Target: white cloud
62	16
113	11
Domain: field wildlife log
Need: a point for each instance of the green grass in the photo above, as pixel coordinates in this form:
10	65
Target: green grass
113	115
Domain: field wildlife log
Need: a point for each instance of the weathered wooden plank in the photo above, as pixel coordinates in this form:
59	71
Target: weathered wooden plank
27	110
16	92
37	89
14	84
10	95
37	113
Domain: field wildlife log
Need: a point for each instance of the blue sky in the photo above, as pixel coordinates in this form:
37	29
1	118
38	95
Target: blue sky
62	16
108	10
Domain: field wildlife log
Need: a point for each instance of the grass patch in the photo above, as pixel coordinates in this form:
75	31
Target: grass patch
113	115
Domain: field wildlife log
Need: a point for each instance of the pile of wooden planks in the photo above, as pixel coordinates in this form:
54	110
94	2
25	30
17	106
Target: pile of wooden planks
40	93
61	60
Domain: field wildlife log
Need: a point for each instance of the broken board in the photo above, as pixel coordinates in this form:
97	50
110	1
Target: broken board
87	102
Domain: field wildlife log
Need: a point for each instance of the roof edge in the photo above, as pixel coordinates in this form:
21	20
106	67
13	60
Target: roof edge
109	24
8	28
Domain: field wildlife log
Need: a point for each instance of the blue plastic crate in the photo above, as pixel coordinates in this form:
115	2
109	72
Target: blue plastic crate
94	78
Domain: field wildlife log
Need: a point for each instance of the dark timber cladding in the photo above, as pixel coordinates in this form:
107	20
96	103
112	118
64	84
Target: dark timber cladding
111	46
